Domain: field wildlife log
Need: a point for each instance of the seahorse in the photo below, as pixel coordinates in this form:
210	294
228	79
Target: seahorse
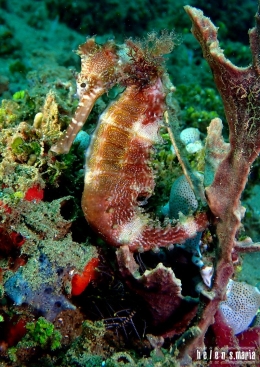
119	179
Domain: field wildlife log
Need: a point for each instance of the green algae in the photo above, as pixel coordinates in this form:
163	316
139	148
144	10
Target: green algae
198	105
42	333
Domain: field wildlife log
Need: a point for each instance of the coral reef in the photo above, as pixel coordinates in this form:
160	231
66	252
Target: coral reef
124	244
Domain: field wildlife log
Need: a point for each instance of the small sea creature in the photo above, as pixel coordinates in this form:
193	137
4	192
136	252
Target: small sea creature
120	320
119	179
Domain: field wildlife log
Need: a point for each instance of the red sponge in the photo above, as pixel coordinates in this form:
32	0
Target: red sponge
80	282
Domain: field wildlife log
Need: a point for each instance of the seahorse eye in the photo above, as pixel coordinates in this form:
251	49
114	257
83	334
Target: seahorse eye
83	85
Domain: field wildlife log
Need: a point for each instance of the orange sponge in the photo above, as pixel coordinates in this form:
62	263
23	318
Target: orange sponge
80	282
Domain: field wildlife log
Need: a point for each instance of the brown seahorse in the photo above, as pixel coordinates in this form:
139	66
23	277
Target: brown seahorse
119	178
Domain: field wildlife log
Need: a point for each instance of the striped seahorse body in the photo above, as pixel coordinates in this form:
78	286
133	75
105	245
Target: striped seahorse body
119	179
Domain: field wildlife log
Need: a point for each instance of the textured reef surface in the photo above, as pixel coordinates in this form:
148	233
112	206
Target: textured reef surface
129	183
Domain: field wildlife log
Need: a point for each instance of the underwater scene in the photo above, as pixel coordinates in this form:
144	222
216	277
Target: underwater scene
129	183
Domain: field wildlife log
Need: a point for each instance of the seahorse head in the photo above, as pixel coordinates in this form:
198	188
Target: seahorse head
98	66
